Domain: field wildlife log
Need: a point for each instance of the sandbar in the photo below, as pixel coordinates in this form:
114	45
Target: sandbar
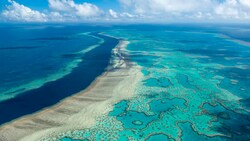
82	109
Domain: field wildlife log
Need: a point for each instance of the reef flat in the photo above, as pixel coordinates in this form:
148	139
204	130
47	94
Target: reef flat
170	82
195	86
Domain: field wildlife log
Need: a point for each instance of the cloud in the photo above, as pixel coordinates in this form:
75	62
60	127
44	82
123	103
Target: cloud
18	12
188	9
56	17
59	11
237	9
159	6
113	14
132	10
84	10
245	3
127	15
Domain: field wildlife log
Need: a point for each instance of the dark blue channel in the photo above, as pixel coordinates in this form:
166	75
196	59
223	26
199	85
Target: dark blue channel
93	65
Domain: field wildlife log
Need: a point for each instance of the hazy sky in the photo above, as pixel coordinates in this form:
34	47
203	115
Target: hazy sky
125	11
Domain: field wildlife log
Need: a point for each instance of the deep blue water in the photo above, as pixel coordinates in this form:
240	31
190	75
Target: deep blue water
32	55
34	52
37	52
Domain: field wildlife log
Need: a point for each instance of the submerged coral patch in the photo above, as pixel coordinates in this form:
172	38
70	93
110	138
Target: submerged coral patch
181	96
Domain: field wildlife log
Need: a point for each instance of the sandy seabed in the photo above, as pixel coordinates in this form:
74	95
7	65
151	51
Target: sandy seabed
80	110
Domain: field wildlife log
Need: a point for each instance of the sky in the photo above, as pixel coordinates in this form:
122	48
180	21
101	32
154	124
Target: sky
148	11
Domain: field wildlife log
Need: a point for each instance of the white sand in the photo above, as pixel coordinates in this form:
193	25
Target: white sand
81	110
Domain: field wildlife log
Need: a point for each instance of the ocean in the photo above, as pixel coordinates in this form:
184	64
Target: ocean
195	86
41	65
195	81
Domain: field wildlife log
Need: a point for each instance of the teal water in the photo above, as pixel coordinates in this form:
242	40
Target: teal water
195	86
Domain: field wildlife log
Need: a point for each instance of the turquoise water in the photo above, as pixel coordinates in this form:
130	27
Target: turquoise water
195	86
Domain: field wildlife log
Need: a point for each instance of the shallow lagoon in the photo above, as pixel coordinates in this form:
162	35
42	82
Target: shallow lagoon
195	87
